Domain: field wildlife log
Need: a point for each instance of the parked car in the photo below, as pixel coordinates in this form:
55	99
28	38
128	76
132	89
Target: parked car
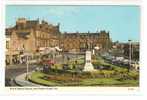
48	62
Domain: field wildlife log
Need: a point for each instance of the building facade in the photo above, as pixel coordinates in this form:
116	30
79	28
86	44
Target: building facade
83	41
29	36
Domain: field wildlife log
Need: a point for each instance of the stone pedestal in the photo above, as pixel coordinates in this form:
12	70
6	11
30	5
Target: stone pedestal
88	65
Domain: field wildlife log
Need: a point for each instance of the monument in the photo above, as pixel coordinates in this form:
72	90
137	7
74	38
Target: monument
88	65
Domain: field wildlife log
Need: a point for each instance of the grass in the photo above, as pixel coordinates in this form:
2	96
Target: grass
109	82
37	77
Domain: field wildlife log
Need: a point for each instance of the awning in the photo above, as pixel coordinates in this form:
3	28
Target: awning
58	49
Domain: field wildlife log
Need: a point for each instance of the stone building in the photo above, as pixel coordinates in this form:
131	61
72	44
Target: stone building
83	41
29	36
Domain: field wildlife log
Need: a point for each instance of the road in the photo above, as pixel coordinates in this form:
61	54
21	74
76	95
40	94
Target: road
14	70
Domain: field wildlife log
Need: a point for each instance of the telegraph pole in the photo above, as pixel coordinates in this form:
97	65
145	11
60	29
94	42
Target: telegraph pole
130	54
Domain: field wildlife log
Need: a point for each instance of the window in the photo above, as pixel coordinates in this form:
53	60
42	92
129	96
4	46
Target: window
37	34
23	46
7	44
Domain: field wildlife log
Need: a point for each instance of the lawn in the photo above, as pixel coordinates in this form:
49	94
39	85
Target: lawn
37	77
109	82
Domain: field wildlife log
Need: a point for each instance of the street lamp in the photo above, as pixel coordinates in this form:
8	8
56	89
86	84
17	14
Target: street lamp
27	63
27	68
129	54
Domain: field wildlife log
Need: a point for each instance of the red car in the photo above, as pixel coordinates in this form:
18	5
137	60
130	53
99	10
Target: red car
49	62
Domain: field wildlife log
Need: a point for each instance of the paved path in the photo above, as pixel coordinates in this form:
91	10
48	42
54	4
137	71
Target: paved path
20	80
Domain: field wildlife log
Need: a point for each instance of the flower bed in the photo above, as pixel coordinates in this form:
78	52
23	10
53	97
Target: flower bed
64	80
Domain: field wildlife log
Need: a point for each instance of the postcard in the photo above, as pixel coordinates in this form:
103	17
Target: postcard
72	46
53	48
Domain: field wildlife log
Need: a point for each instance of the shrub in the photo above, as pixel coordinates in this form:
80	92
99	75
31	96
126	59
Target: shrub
107	73
86	75
133	75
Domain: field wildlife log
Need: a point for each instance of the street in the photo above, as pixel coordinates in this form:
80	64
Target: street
14	70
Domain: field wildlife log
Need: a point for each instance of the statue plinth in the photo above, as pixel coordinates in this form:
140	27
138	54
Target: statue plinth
88	65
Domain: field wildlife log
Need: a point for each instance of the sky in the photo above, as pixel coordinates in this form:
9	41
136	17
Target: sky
122	22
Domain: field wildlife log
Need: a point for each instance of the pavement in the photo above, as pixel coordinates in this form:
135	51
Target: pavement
21	81
18	66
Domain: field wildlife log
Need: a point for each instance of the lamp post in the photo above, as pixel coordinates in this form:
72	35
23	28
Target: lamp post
27	64
129	55
27	68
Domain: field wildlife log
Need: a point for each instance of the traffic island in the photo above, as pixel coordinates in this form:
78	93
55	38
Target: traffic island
86	79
